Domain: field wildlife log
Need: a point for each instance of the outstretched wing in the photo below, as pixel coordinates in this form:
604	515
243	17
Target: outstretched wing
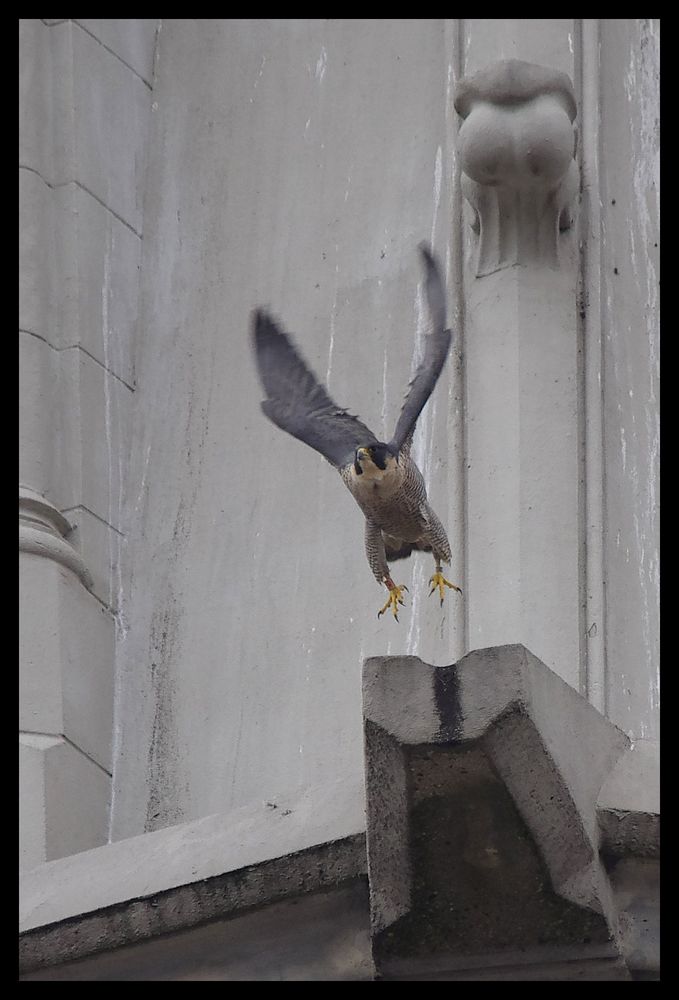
297	402
436	345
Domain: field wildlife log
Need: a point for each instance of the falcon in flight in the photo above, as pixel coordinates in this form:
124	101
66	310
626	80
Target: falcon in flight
381	476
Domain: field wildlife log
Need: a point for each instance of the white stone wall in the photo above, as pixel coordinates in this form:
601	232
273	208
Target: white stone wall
630	304
85	97
296	164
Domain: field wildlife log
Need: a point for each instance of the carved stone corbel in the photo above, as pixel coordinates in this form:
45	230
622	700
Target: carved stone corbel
517	146
482	784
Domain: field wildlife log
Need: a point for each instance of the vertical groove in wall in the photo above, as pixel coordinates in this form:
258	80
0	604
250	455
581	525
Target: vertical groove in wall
123	578
582	235
593	664
458	489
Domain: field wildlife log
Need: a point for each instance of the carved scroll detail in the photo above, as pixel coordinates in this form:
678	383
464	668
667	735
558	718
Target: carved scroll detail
517	147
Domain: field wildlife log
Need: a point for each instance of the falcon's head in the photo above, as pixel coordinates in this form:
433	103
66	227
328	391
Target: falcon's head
372	458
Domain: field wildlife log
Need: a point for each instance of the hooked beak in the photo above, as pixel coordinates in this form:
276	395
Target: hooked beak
361	455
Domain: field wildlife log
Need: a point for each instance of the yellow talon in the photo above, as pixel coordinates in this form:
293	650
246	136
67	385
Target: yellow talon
395	598
439	580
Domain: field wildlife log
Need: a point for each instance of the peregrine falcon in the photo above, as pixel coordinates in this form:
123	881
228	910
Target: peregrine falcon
381	476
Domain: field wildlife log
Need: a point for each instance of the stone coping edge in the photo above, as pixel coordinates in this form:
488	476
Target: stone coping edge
322	867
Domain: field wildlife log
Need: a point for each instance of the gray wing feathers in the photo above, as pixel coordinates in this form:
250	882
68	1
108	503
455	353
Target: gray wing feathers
436	348
297	402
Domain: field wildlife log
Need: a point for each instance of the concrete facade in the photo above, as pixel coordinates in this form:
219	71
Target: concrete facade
195	602
85	100
490	854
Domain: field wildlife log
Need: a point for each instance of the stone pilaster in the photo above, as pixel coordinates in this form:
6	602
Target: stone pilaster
84	100
516	146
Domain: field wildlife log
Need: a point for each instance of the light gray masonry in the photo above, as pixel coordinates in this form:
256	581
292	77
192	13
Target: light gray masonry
195	605
83	123
484	818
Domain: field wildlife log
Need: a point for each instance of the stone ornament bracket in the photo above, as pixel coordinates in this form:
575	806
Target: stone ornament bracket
517	150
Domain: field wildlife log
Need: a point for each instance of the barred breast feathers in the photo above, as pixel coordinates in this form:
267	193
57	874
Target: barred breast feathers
395	498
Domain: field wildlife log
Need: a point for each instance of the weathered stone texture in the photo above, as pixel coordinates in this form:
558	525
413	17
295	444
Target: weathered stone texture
492	814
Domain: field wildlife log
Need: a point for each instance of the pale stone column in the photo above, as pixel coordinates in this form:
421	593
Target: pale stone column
561	348
85	95
519	178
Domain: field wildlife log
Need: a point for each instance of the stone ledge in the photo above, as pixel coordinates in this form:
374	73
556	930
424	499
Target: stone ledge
479	717
107	896
317	868
322	936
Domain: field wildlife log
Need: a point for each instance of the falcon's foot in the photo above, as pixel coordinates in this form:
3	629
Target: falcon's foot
395	598
439	580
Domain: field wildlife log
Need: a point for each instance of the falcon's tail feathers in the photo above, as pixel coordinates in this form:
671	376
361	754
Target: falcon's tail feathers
396	548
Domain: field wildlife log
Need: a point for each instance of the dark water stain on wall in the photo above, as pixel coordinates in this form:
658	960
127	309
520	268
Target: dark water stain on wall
164	758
